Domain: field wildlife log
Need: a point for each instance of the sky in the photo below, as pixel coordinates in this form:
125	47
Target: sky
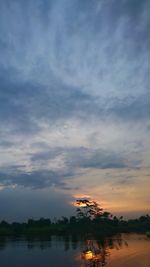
74	106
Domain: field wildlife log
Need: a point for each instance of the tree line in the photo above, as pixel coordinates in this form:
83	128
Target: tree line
90	218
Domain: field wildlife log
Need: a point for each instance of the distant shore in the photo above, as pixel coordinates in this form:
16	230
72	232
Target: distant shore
73	225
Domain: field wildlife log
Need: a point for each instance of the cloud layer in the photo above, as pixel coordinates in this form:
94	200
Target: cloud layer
74	92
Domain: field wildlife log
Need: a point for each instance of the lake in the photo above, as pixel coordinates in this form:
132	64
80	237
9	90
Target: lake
125	250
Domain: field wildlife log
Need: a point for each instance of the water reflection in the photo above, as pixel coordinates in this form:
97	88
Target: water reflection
75	251
94	255
96	252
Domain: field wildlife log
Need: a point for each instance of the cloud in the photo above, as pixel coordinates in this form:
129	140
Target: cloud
35	179
5	144
95	158
130	109
81	157
57	166
62	60
74	90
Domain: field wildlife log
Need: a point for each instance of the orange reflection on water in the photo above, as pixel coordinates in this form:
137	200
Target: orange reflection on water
88	255
125	251
94	254
137	253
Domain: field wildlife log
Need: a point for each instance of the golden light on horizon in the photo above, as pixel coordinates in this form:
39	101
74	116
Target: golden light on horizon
115	198
81	205
84	202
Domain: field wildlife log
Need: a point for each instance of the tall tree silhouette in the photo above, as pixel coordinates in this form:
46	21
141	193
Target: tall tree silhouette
88	209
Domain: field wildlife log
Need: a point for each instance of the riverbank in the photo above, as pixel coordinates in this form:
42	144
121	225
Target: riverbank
72	225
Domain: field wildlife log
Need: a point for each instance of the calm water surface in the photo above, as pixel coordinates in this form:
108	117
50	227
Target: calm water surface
126	250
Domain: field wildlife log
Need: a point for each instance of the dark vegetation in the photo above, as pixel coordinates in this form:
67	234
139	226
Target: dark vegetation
148	234
90	218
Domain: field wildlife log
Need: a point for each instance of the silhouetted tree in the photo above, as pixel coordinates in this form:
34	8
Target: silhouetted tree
88	209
